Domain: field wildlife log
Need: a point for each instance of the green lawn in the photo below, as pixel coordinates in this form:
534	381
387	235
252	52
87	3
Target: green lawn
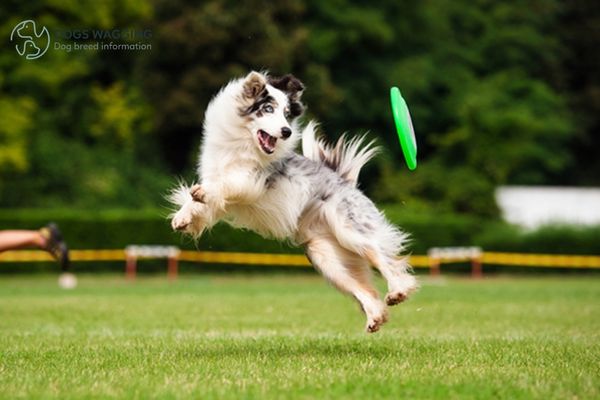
231	337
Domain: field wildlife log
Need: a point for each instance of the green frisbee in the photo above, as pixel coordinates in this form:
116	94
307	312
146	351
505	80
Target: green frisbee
404	127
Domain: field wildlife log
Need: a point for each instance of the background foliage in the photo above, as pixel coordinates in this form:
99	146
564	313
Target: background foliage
500	92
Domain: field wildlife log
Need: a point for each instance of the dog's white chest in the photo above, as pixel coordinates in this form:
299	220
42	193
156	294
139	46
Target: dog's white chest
275	213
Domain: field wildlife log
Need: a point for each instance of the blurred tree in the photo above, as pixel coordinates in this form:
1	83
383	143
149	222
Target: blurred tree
483	114
76	127
201	46
16	121
579	80
497	90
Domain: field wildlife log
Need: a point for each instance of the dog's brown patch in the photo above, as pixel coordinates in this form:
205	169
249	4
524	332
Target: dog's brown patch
254	85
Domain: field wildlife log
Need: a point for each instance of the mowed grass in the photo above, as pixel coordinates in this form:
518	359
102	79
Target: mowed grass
261	337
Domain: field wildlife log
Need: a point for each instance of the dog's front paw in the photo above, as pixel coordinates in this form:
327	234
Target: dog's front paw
181	221
197	193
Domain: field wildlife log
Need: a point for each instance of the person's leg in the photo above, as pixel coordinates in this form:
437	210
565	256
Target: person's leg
16	239
47	238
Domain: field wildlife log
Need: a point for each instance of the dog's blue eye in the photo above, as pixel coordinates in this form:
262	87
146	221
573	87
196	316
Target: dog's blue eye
268	108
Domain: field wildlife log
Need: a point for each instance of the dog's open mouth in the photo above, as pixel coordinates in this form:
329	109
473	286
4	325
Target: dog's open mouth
266	141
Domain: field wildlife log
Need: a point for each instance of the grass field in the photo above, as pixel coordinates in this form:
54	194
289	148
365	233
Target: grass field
231	337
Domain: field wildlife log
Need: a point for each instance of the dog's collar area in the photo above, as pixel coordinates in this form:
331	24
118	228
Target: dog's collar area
266	141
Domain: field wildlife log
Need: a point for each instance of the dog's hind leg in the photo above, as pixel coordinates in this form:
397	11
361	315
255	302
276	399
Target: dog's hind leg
395	271
350	274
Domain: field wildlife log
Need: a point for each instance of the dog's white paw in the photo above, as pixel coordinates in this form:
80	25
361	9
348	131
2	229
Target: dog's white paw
197	193
374	323
391	299
401	291
181	221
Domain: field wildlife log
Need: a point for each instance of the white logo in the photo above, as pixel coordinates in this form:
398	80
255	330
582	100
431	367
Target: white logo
29	43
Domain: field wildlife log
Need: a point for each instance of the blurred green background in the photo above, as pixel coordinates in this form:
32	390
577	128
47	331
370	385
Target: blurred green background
500	93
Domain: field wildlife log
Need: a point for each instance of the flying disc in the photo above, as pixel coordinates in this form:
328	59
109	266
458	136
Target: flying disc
404	127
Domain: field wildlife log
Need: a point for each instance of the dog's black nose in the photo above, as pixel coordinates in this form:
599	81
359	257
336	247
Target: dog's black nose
286	132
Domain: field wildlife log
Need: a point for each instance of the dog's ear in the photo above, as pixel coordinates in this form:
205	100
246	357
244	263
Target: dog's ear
293	88
289	84
254	84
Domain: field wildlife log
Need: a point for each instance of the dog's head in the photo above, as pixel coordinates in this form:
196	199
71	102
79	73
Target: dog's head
269	106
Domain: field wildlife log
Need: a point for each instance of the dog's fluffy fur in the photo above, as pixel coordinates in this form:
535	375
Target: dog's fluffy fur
251	177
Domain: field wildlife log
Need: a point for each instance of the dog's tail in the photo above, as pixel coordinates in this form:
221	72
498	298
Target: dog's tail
346	157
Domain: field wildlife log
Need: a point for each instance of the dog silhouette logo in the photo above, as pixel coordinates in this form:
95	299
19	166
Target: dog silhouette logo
29	42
